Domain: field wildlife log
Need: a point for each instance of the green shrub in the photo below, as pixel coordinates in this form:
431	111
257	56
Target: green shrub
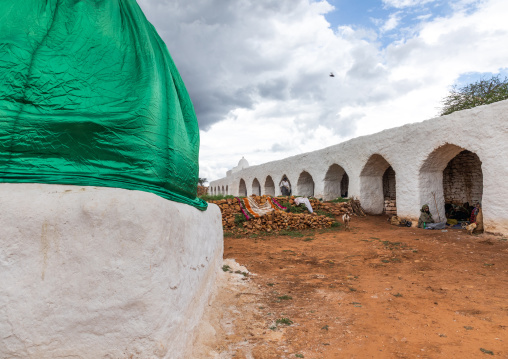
284	321
294	209
239	219
339	200
320	212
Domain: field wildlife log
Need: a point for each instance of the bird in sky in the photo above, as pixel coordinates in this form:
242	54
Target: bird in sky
331	74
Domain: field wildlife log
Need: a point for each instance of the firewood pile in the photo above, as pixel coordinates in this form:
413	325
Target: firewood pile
234	221
202	190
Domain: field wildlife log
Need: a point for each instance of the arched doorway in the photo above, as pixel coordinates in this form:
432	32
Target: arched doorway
305	185
377	181
227	190
336	182
344	186
256	187
389	192
269	186
242	188
289	190
451	182
222	192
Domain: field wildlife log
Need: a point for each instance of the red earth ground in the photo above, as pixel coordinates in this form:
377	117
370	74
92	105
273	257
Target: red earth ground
378	291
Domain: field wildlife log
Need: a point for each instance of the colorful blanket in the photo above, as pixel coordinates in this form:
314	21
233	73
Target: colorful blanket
251	209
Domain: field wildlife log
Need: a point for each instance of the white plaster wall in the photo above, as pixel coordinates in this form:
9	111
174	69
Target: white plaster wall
91	272
482	130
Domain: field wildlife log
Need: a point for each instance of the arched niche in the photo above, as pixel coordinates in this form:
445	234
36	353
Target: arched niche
256	187
450	176
269	186
377	179
242	188
336	182
305	185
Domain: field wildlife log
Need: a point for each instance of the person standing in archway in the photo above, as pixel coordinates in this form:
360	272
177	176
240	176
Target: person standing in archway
285	187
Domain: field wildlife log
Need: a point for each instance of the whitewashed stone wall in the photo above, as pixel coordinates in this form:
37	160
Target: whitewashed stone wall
418	154
89	272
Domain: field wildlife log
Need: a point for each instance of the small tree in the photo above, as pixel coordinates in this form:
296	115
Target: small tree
479	93
202	181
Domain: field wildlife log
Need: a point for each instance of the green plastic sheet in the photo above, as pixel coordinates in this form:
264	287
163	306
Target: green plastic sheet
89	95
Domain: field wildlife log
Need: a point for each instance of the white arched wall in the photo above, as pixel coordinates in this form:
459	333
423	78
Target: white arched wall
371	184
482	130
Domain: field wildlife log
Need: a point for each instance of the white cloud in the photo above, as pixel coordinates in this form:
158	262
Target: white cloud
391	23
400	4
257	71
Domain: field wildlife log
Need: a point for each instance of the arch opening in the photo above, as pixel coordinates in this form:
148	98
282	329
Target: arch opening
242	188
285	186
451	182
389	192
344	186
269	186
305	185
336	183
373	183
256	187
227	190
222	191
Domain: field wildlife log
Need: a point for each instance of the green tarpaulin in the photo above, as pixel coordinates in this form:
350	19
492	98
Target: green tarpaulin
89	95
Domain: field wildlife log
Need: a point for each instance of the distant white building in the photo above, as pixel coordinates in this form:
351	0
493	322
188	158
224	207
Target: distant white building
462	157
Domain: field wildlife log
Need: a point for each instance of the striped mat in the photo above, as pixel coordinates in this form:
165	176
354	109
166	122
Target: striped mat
251	209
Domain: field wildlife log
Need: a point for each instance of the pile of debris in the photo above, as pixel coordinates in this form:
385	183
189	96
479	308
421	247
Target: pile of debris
233	219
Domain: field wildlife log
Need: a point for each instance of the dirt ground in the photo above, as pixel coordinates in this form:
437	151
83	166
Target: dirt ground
378	291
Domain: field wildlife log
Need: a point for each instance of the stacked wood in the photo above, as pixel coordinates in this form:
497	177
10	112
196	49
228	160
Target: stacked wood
356	207
234	220
202	190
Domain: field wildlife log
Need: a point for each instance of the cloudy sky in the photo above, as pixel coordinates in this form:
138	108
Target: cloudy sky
258	70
